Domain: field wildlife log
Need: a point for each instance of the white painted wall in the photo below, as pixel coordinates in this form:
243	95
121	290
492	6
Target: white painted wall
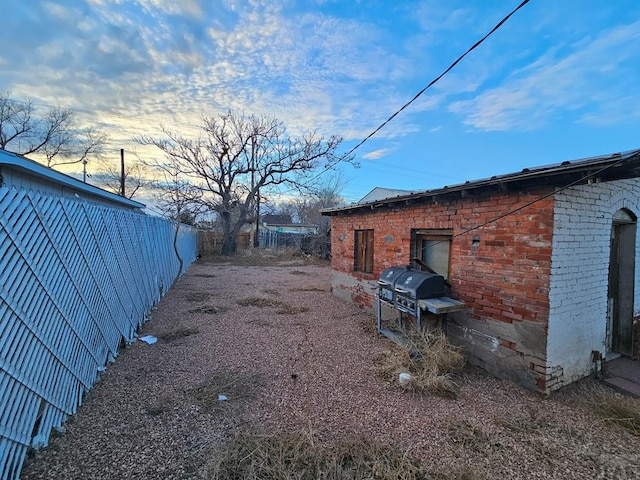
580	270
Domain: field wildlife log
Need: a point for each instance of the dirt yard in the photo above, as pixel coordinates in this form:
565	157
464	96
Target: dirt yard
263	346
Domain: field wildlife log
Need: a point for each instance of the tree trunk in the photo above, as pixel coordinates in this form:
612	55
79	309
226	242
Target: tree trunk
228	237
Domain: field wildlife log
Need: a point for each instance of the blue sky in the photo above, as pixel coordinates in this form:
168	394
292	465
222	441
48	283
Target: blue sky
559	81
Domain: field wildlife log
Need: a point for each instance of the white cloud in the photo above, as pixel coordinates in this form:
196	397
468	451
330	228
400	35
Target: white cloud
376	154
595	74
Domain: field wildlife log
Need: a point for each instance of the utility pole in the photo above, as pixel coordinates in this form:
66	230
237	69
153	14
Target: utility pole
122	176
256	241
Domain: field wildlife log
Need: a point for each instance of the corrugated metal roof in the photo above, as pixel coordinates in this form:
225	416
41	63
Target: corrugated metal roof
36	169
626	164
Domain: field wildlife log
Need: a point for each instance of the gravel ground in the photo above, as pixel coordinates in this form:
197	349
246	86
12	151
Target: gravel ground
291	357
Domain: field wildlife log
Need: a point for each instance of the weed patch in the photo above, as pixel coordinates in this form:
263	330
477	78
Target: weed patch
208	309
253	456
620	410
281	307
161	405
178	333
235	386
198	296
298	272
308	289
468	435
428	358
272	291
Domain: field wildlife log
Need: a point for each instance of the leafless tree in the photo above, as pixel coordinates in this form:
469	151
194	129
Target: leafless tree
55	135
175	195
136	176
238	156
308	205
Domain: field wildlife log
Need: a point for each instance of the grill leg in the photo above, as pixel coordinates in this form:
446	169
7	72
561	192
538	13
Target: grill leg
379	316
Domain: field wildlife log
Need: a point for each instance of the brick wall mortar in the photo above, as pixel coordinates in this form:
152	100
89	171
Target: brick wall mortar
505	280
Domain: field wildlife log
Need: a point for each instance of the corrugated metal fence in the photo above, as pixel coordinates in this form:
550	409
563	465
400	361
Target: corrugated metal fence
76	280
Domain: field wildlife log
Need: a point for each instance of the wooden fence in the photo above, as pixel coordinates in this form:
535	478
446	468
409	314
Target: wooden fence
76	280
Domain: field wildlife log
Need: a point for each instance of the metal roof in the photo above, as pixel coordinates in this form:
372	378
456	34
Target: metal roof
603	168
23	164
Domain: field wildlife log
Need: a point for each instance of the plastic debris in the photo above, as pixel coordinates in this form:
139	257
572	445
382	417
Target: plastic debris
222	398
149	339
404	378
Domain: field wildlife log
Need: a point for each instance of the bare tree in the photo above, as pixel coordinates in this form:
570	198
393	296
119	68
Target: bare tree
314	199
55	135
175	195
136	176
236	157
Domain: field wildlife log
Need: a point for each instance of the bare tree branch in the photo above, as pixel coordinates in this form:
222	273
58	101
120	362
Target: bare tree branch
236	157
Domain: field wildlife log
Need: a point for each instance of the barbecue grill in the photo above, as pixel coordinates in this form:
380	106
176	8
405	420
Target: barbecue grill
410	291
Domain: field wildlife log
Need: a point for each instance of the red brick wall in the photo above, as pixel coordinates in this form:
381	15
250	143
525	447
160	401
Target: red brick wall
504	279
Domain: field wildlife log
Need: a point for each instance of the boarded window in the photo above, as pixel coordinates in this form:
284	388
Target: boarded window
363	255
433	247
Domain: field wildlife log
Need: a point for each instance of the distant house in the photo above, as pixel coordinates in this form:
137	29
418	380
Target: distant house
544	259
284	224
20	172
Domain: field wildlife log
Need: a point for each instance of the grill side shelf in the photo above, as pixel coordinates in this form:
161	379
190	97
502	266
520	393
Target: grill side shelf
441	305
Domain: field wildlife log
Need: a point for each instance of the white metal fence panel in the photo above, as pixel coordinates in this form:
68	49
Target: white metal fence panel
76	280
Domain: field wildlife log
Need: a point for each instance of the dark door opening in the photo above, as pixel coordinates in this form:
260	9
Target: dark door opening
621	283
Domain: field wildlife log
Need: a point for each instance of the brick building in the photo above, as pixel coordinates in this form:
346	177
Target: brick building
544	260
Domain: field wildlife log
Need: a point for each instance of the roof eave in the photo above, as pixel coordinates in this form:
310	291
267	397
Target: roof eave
562	173
27	165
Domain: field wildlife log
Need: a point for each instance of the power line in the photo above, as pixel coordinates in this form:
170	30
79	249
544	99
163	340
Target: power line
417	95
526	205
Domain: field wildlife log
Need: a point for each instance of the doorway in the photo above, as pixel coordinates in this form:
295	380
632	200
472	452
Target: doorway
621	283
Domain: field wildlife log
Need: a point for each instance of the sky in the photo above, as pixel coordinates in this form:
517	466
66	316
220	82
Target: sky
559	81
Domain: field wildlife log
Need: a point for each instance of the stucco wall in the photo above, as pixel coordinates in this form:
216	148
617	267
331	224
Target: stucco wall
579	273
502	278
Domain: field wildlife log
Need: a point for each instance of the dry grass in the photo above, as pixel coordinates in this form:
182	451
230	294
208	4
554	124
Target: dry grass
267	257
160	405
430	360
525	423
198	296
272	291
176	334
618	409
236	386
469	435
259	302
253	456
309	289
208	309
281	307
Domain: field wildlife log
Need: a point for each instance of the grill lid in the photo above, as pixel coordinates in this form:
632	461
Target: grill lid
417	284
389	275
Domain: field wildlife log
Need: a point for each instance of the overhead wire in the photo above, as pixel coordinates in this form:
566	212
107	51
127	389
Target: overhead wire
419	94
521	207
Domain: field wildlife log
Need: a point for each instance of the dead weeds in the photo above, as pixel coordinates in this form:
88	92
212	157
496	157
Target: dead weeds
618	409
468	435
429	359
161	405
198	296
281	307
264	257
176	334
309	289
225	388
253	456
208	309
